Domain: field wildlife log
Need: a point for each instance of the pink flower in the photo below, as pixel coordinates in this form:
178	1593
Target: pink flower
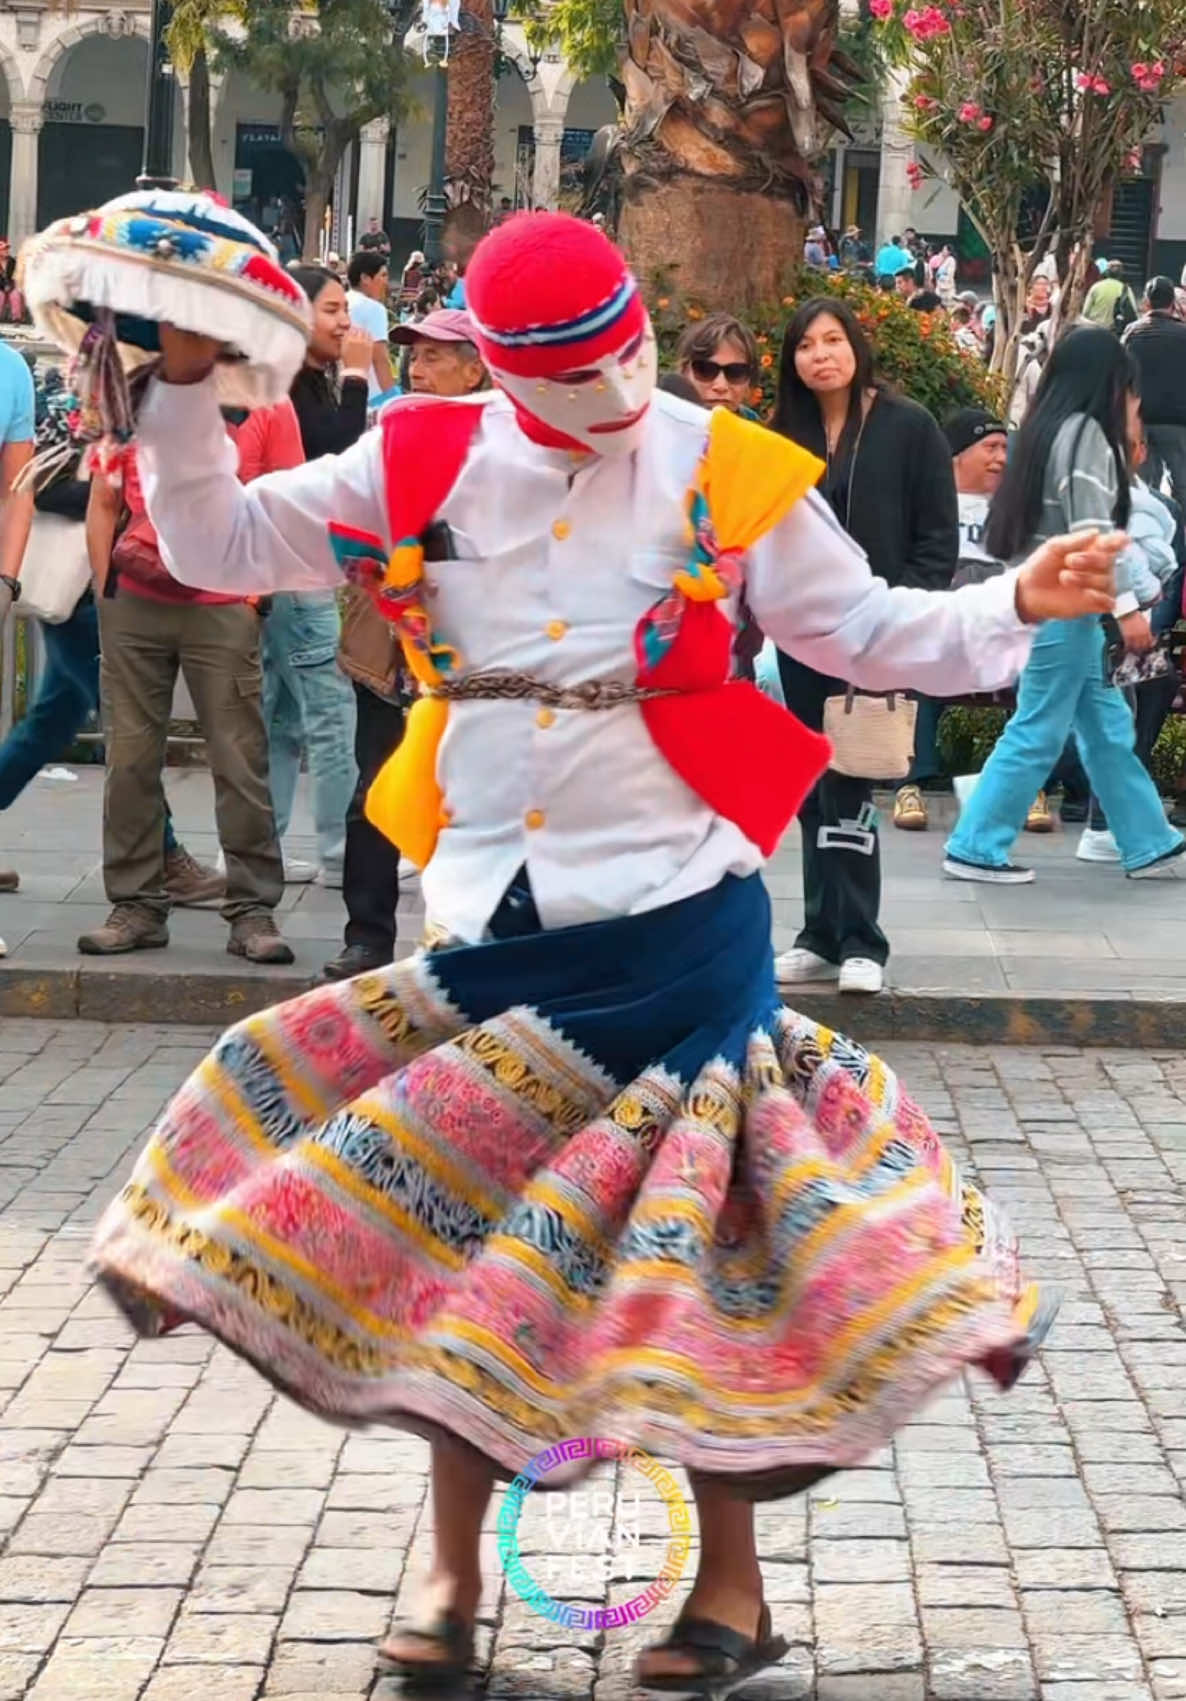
925	103
923	25
985	123
1139	69
1092	84
881	9
1157	69
969	112
1099	87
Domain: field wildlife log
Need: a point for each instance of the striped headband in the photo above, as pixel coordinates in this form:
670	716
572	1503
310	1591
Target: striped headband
594	322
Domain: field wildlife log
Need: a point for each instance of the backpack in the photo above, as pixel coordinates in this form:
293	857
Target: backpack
1124	313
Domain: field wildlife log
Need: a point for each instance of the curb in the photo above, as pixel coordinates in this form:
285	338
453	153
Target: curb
924	1017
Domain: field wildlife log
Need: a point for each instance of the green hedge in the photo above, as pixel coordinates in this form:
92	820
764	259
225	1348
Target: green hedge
966	737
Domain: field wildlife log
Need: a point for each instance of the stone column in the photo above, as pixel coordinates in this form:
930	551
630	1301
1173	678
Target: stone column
545	182
372	165
895	198
26	118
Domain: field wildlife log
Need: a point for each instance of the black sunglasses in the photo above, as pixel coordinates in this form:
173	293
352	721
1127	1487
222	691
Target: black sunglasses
708	371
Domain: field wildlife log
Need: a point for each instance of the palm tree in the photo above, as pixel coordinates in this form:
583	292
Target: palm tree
188	42
727	103
469	160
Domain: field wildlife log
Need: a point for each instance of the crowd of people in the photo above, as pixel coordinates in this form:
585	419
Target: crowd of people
301	679
313	679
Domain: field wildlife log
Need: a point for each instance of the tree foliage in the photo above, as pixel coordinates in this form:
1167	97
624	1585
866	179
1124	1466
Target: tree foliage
1034	104
336	64
591	33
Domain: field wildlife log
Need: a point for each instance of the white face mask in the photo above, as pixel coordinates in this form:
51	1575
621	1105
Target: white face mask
602	407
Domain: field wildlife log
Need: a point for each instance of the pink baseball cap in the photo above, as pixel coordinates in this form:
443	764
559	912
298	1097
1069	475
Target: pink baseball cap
446	325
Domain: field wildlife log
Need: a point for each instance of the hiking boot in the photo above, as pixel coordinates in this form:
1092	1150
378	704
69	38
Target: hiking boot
129	927
257	938
1039	819
10	880
355	960
188	884
910	810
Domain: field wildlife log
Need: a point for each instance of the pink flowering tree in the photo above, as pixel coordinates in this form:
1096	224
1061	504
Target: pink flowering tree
1033	103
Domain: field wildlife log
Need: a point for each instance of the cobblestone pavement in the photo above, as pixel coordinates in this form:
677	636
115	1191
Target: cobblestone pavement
172	1529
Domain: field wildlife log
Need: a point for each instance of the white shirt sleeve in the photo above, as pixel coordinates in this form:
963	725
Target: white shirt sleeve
811	589
370	316
273	535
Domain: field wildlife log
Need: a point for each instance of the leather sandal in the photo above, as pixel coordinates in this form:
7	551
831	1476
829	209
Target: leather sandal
727	1658
447	1631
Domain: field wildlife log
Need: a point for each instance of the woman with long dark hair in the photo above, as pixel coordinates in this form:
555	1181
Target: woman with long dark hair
890	484
308	701
1069	472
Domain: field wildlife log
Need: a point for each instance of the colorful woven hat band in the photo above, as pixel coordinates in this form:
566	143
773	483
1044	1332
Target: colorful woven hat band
550	294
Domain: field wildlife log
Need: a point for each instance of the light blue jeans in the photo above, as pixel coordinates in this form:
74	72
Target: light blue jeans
1064	690
308	705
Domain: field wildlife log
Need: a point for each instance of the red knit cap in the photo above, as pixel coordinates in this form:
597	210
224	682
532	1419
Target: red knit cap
550	293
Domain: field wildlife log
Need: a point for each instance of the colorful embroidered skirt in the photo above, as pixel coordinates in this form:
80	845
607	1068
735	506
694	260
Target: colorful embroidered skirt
590	1182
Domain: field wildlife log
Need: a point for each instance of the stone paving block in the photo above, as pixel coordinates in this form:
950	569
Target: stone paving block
52	1533
145	1564
163	1487
1088	1659
1137	1513
99	1668
947	1544
31	1628
860	1561
273	1506
241	1588
221	1639
1054	1568
156	1524
124	1612
16	1672
291	1470
1096	1692
338	1615
187	1683
887	1686
1168	1678
1161	1637
983	1674
982	1586
319	1668
372	1570
1077	1612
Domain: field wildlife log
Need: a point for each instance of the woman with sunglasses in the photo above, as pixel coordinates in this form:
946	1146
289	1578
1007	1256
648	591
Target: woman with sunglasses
719	356
890	484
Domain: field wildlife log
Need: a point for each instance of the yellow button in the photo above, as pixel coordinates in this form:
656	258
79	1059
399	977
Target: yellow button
535	819
556	629
562	529
545	718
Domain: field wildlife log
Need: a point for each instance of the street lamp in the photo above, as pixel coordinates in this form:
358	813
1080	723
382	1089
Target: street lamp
435	204
160	99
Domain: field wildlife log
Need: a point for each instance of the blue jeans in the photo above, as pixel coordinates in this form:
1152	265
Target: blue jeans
67	693
308	705
1063	690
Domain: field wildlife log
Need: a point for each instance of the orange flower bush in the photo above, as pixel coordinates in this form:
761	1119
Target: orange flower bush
915	351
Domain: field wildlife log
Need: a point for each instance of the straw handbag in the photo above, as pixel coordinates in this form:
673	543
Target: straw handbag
872	737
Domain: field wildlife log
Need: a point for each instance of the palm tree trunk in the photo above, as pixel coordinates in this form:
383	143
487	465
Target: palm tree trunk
469	161
198	120
727	106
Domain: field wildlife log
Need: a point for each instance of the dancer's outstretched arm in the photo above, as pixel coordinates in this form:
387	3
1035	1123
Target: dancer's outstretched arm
811	589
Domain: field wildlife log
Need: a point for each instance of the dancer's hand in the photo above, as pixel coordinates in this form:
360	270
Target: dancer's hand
1067	577
1136	632
186	357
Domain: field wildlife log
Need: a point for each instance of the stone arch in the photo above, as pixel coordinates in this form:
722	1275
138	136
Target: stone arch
116	26
10	70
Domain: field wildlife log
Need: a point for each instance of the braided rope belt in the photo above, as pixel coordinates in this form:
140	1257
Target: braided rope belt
500	684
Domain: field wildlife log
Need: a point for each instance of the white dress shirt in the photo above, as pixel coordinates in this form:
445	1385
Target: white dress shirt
558	560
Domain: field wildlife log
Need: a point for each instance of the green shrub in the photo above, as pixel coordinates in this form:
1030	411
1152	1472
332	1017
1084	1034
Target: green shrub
915	351
966	736
1169	757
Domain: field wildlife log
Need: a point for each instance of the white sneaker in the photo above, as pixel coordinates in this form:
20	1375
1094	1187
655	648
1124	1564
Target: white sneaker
298	873
331	877
800	967
1171	867
861	974
1097	845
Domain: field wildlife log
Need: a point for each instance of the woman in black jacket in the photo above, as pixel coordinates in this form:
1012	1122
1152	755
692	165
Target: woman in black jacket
329	393
890	483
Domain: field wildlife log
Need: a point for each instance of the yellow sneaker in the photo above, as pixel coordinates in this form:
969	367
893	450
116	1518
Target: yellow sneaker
1039	819
910	810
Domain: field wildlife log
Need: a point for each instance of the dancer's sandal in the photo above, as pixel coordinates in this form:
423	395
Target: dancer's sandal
726	1657
449	1652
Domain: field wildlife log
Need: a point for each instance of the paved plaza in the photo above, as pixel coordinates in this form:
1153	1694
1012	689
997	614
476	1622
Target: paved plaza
1059	959
173	1530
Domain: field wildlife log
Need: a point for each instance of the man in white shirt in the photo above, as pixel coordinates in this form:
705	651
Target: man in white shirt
979	445
366	301
569	638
